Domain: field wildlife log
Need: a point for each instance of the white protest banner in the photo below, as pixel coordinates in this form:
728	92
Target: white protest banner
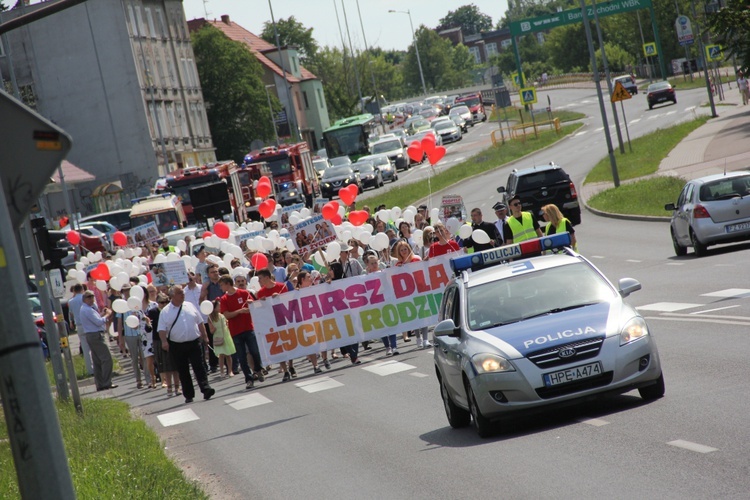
312	234
143	234
169	273
348	311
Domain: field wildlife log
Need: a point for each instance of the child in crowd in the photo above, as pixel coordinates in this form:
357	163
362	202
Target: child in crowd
223	343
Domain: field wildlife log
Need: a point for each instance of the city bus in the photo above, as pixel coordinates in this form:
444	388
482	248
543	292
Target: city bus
350	136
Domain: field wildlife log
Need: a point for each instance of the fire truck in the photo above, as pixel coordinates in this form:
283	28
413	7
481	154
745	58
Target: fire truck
239	181
294	177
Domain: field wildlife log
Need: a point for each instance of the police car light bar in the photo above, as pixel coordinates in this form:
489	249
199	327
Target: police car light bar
494	256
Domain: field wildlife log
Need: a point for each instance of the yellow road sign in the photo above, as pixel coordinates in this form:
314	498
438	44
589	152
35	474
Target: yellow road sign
619	93
528	95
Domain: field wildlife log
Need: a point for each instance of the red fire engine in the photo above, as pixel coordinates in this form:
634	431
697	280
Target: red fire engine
239	180
293	173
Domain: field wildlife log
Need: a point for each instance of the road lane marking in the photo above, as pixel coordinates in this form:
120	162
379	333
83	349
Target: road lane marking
635	121
389	368
419	375
671	113
691	108
580	133
249	401
596	422
729	292
667	306
633	261
699	319
687	445
319	384
714	310
675	263
177	417
597	257
599	129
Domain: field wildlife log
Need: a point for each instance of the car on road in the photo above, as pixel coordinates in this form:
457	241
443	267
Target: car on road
335	178
369	175
660	92
542	185
289	193
320	164
628	82
520	334
118	218
462	111
339	161
395	151
387	168
101	226
415	126
460	123
448	131
711	210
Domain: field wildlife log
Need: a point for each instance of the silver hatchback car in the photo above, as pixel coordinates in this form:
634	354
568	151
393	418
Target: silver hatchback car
711	210
535	333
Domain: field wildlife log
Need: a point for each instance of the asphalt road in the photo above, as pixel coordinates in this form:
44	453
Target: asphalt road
378	430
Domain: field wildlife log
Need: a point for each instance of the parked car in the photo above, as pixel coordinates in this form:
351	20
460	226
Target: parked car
103	226
369	175
711	210
542	185
387	168
660	92
448	131
627	81
335	178
179	234
463	112
394	149
118	218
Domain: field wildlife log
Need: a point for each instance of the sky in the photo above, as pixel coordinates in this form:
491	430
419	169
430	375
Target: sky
381	28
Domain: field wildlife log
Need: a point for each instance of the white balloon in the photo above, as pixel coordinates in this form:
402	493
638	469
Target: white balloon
395	212
120	254
379	241
228	260
464	231
480	236
137	292
182	245
364	237
417	237
367	228
434	215
120	306
90	256
122	277
85	261
81	276
384	215
304	213
115	269
160	258
346	235
98	256
294	219
412	208
236	251
268	244
290	245
224	246
71	275
172	257
319	259
101	285
137	251
132	321
341	211
254	284
214	259
134	303
408	216
142	280
452	225
207	307
334	249
128	253
80	266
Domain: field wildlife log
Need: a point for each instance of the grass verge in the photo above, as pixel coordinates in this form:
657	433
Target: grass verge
111	455
681	83
484	161
80	367
645	197
648	151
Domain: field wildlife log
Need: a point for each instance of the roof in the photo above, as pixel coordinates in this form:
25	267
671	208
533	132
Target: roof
256	44
351	121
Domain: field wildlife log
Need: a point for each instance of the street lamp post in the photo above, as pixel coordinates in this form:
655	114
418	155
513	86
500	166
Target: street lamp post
416	47
270	109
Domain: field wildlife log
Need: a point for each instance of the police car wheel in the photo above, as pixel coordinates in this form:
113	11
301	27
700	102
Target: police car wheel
651	392
457	417
480	423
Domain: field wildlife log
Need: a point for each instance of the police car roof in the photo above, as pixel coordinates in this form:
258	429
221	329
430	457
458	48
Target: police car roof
516	268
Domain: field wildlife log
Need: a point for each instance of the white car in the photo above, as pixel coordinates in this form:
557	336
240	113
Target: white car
463	112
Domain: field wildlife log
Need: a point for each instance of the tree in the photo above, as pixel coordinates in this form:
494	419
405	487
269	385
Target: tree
732	27
440	64
468	18
328	65
292	32
235	96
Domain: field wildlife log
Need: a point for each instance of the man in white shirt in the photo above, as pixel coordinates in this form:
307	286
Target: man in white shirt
181	331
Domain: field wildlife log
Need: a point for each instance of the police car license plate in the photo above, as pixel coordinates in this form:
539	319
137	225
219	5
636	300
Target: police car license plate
733	228
572	374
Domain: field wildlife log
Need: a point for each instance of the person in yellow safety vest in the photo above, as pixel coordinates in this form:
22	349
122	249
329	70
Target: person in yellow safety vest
165	247
520	226
558	224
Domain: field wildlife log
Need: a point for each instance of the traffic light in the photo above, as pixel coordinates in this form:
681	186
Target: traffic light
52	254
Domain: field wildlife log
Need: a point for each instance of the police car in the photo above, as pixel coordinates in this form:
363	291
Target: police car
520	333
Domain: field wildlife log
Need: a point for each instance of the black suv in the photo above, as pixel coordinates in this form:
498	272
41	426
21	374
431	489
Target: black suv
542	185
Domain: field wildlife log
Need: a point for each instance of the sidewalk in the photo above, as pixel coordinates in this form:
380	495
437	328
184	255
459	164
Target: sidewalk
721	144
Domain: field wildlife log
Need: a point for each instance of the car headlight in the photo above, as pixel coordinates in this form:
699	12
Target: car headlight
326	185
399	156
491	363
292	193
633	330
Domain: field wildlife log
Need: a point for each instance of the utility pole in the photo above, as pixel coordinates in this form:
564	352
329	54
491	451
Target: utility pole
609	80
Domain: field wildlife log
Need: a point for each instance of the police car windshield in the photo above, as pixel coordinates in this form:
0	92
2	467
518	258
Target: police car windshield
535	293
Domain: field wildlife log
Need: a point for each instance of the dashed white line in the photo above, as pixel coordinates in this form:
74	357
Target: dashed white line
597	257
248	401
675	263
419	375
389	368
635	121
691	108
667	306
319	384
596	422
671	112
729	292
177	417
713	310
687	445
633	261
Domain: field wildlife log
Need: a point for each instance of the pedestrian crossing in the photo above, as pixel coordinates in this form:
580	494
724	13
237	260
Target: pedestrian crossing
669	307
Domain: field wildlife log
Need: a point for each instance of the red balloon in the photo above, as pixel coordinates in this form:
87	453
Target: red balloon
259	261
349	194
358	217
221	229
120	239
73	237
101	272
329	210
336	219
267	208
436	155
263	190
415	151
428	144
206	234
148	278
264	180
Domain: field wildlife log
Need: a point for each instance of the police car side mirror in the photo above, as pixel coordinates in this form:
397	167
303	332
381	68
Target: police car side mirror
446	328
628	286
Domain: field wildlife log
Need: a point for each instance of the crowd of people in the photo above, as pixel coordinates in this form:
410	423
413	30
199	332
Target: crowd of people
171	333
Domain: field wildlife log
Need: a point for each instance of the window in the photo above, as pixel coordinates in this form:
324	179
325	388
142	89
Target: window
171	70
150	21
294	65
474	51
141	29
161	25
506	43
152	120
304	96
320	97
491	49
173	130
182	120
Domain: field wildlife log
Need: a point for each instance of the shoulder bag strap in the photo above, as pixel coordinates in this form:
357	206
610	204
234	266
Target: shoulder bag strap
175	321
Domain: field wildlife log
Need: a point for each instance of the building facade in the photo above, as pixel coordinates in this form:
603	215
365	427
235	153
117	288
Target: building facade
307	110
119	76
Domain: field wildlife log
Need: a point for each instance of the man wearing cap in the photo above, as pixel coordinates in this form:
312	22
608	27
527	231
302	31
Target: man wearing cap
181	331
501	211
93	325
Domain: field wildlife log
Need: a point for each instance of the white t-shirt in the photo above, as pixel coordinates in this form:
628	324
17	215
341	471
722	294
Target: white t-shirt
186	327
